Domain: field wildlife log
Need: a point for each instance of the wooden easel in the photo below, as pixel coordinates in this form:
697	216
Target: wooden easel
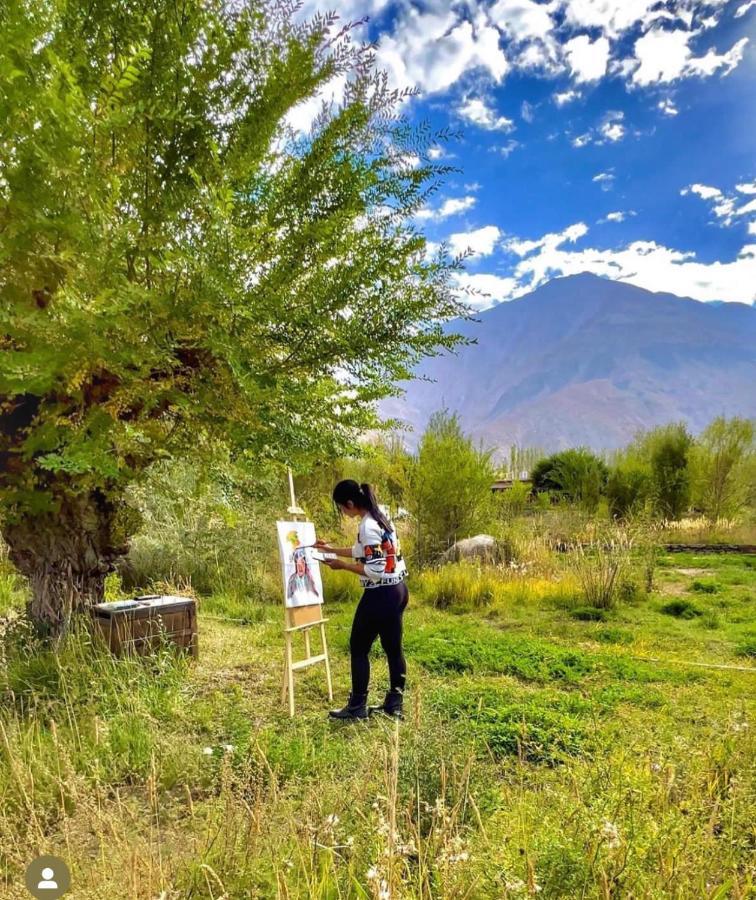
302	619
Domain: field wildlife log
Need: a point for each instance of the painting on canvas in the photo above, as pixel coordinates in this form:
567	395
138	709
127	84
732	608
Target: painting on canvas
301	571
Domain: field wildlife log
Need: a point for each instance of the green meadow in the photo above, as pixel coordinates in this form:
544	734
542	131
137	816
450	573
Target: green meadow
549	749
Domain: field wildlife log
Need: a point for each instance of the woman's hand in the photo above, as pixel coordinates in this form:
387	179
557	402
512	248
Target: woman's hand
323	545
335	563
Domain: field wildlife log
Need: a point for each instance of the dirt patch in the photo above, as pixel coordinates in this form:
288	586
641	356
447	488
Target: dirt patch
674	590
693	571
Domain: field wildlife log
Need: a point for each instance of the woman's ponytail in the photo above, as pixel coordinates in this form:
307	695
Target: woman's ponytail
372	505
363	497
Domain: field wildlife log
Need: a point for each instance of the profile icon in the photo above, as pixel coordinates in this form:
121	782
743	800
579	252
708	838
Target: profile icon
47	883
47	877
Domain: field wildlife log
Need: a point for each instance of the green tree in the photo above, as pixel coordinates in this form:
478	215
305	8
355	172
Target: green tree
449	487
577	475
179	270
628	487
722	467
667	451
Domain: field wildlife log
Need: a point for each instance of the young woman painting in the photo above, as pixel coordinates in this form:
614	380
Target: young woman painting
377	559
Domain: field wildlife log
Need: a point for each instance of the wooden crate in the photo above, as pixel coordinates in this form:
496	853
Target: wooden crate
142	624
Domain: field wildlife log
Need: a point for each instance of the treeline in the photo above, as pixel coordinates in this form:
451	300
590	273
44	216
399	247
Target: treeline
664	472
214	525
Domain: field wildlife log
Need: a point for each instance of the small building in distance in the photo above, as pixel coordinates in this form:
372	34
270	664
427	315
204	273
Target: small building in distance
510	478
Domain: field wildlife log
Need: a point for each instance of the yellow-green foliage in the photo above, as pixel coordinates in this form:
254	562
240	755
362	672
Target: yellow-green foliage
467	586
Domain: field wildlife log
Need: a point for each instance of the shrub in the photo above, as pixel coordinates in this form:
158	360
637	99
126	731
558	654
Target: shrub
681	609
449	491
704	587
589	614
628	488
577	475
599	568
747	648
614	636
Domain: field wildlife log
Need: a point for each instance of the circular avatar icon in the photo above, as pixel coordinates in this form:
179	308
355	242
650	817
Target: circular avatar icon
47	877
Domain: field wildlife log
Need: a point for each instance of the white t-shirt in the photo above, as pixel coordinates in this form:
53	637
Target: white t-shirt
379	550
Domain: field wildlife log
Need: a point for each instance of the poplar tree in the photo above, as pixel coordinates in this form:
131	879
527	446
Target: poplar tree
179	268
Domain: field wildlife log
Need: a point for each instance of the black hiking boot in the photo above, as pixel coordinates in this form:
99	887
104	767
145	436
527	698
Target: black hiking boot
392	705
356	708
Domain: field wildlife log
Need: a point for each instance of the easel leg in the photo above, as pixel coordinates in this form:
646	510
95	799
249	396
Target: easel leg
327	661
290	674
285	676
308	654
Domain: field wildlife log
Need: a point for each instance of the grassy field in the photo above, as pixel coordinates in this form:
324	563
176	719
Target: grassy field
550	749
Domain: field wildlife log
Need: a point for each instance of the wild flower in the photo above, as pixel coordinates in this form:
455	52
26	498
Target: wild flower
610	835
207	751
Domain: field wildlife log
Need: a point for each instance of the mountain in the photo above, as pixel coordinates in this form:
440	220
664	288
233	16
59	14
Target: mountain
585	360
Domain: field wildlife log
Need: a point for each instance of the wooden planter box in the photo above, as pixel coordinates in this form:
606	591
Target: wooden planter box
142	624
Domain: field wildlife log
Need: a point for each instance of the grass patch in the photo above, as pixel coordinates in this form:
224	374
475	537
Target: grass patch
704	587
480	649
747	648
681	609
540	728
589	614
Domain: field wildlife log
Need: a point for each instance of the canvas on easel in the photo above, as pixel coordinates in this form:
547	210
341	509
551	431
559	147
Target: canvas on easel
303	599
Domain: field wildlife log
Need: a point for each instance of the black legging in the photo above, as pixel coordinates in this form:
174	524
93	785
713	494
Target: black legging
379	614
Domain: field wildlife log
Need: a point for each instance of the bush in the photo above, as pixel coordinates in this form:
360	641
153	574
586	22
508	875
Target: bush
747	648
599	568
577	476
614	636
627	488
681	609
449	492
704	587
207	528
589	614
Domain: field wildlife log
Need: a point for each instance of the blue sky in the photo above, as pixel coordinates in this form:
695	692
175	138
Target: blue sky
613	136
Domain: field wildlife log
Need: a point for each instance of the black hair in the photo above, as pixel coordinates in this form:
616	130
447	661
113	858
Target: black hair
363	497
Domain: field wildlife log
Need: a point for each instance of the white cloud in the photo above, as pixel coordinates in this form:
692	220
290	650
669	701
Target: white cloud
549	241
667	106
527	111
565	97
605	179
609	131
523	20
618	216
752	228
587	59
507	149
725	206
644	263
450	207
664	56
477	111
742	10
432	49
481	242
496	287
436	152
610	16
613	130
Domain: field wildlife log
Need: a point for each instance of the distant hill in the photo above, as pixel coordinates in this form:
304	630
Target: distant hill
586	360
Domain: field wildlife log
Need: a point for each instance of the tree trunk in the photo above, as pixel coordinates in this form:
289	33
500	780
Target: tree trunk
65	555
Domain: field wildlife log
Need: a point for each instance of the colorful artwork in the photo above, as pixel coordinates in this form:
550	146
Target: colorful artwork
301	572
